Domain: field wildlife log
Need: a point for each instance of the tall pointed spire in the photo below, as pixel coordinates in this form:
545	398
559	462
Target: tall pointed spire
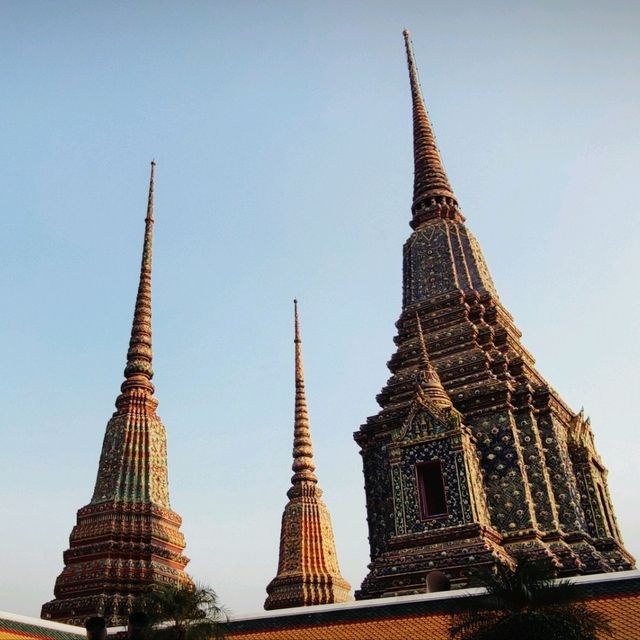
127	538
432	194
308	571
139	370
303	465
430	383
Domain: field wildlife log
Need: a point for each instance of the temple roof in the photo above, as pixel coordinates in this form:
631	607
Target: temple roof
616	595
17	627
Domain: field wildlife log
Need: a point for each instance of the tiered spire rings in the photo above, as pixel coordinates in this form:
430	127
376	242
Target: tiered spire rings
139	370
304	480
308	571
433	196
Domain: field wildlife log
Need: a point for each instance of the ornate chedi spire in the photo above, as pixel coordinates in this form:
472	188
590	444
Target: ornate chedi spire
511	469
308	571
432	193
127	537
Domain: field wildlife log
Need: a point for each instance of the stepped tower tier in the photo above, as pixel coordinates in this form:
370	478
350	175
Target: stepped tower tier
127	537
438	504
308	571
538	473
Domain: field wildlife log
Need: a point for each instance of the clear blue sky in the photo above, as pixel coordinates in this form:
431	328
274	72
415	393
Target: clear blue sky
282	133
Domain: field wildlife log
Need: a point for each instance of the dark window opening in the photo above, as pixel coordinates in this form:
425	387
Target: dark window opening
605	509
433	501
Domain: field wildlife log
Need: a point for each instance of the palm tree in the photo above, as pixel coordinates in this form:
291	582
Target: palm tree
526	603
182	612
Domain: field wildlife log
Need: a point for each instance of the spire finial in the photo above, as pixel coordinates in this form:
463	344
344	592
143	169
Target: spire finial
139	371
151	190
296	338
433	196
303	465
428	377
425	354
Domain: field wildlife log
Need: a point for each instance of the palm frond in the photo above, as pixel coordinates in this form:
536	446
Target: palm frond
182	612
527	603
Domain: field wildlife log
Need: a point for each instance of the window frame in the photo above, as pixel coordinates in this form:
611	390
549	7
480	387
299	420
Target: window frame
421	490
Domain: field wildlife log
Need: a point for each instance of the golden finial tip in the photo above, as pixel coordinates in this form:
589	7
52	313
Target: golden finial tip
406	33
153	163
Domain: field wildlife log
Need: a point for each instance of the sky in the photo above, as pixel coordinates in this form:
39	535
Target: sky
282	135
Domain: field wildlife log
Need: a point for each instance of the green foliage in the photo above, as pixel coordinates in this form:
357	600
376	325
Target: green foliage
182	612
526	603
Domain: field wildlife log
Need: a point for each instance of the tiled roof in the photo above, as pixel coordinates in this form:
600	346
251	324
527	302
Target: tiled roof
623	613
430	627
426	616
15	627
